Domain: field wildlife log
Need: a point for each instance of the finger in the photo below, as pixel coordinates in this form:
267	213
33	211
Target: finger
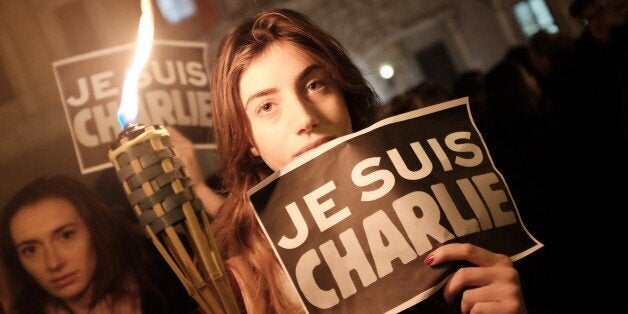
497	308
465	251
484	308
172	130
179	140
509	294
175	134
503	283
464	277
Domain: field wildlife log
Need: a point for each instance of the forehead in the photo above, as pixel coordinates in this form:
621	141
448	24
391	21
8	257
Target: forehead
279	61
42	218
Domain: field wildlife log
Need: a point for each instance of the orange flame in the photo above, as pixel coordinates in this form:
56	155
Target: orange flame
127	113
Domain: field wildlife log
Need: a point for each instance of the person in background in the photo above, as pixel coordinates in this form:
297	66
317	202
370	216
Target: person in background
428	93
64	251
599	80
600	18
398	104
422	95
280	87
470	84
588	156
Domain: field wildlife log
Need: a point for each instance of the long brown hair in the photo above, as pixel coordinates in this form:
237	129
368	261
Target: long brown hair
236	227
117	245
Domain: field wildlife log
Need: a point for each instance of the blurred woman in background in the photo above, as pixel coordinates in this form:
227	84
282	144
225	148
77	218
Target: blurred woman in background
64	250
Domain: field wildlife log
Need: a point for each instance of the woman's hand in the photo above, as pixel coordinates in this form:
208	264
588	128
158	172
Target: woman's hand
490	287
185	150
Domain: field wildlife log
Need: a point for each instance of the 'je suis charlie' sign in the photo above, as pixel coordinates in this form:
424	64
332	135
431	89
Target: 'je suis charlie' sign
173	90
352	222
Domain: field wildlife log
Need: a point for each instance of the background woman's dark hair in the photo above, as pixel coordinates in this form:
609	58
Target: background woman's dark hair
118	244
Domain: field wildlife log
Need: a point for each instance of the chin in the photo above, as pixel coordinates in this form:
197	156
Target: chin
69	292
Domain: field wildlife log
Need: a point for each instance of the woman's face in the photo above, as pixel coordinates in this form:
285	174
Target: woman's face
55	247
292	104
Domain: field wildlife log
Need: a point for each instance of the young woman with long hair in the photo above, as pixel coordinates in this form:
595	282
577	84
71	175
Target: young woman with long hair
280	87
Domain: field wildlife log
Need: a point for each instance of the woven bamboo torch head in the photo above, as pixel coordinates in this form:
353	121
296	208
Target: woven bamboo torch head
159	190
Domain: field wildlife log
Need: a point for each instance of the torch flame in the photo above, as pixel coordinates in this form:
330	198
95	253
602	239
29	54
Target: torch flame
127	113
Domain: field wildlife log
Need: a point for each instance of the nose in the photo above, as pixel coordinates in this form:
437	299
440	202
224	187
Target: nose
54	260
303	115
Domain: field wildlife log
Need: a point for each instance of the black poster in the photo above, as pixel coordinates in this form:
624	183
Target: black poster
173	90
352	222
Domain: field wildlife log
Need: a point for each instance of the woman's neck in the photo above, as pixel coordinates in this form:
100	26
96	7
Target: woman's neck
127	304
75	305
79	305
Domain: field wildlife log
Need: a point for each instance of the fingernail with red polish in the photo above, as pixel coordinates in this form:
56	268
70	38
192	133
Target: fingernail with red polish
429	260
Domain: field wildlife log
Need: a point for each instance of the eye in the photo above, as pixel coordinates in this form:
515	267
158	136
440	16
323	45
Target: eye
27	250
67	234
265	108
315	85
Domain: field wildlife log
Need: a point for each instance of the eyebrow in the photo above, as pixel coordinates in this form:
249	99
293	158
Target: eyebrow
309	69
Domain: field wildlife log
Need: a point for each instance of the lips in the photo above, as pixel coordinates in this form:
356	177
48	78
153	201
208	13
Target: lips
63	281
313	145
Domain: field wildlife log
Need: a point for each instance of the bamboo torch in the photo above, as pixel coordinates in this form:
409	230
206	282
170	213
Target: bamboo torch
159	190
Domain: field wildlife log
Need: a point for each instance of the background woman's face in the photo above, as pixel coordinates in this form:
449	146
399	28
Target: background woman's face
55	247
292	104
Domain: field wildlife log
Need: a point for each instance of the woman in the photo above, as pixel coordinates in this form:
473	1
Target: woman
278	76
65	251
